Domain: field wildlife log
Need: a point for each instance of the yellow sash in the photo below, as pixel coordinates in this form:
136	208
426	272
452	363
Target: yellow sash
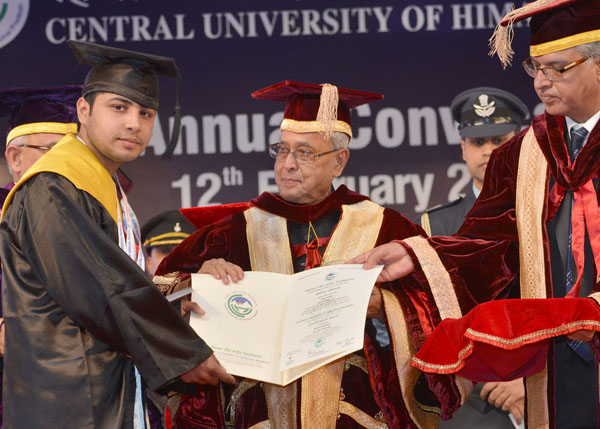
73	160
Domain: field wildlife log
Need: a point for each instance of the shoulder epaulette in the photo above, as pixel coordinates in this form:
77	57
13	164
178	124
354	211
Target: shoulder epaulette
448	204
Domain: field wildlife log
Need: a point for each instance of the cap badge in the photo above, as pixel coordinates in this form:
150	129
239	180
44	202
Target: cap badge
177	227
484	108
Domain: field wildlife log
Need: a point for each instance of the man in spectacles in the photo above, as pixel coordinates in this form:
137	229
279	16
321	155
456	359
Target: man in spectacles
37	119
307	225
533	232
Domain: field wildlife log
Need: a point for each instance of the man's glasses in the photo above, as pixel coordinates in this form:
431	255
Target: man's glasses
42	148
302	155
551	73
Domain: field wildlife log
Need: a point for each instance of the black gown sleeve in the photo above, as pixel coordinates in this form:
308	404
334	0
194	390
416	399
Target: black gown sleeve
70	242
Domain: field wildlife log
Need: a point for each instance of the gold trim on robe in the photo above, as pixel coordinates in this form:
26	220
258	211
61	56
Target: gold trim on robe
425	223
403	352
529	208
437	277
361	417
270	250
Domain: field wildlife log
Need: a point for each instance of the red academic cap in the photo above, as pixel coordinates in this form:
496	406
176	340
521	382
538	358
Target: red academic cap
316	108
555	25
40	110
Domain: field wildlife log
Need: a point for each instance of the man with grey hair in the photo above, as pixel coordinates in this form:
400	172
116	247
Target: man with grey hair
308	224
534	232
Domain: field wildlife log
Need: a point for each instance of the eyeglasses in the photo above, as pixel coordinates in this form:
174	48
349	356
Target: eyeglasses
553	74
302	155
42	148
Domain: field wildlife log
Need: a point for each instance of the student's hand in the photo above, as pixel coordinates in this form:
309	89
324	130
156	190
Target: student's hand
506	395
397	263
208	372
220	269
375	308
188	307
582	335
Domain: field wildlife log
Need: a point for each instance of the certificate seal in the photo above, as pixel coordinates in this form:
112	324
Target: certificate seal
241	305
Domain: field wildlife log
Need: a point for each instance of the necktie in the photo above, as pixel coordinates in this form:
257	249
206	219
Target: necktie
578	136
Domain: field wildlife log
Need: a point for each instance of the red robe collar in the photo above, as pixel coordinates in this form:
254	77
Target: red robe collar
273	203
549	132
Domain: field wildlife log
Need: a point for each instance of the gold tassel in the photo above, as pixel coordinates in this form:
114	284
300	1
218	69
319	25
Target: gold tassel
327	114
501	41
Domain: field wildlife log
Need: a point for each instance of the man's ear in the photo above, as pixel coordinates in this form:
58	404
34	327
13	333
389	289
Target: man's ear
13	159
13	156
341	159
83	110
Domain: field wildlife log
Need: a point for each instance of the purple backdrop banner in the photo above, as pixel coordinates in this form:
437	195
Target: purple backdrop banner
406	152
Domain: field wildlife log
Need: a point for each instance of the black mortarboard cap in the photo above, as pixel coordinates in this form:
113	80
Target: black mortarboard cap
487	112
128	73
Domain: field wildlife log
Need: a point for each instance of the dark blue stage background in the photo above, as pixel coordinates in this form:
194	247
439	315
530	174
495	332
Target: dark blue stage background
405	154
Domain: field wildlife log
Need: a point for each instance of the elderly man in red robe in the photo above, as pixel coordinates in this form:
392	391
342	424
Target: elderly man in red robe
535	230
306	225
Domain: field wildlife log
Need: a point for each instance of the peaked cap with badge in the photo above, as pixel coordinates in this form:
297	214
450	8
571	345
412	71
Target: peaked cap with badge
166	229
487	112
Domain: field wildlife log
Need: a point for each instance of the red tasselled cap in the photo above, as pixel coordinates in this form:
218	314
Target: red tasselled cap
311	108
555	25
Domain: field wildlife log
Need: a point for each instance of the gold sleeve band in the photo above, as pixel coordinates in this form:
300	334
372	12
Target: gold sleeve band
437	276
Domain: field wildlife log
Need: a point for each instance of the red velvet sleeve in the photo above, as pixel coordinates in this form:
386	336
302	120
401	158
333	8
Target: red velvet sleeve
224	239
482	257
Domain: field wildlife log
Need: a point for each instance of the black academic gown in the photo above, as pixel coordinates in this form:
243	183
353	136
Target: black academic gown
79	312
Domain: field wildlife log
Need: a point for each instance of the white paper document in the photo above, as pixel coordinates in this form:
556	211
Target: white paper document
277	327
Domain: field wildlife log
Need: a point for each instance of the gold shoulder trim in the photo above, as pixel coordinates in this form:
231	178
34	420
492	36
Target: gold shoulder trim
268	242
356	232
425	223
437	276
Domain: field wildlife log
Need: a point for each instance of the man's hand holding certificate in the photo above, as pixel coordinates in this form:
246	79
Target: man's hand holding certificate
277	327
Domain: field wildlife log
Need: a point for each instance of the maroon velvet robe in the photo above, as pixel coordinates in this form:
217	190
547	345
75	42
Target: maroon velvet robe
482	259
377	390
